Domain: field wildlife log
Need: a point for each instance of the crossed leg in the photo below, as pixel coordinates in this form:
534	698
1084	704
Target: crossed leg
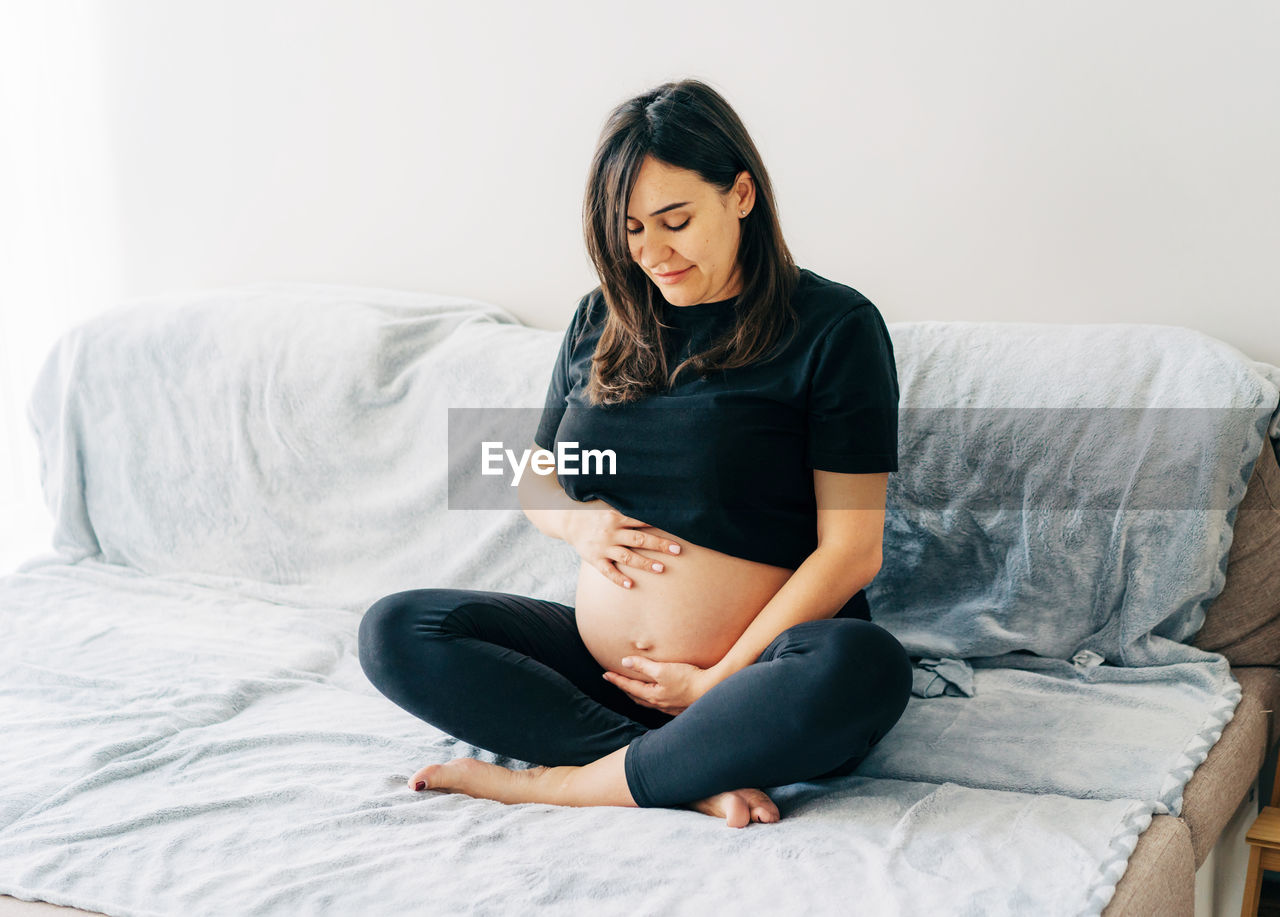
510	674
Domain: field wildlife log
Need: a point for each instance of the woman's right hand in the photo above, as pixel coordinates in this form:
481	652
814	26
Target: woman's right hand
607	539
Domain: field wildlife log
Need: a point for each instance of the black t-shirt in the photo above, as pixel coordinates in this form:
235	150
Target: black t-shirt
726	461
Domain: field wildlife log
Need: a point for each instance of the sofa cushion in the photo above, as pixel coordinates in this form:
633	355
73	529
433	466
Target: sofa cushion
1065	488
151	724
289	441
1243	623
298	435
1222	780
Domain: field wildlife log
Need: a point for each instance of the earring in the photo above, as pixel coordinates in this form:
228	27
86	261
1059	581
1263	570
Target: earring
743	212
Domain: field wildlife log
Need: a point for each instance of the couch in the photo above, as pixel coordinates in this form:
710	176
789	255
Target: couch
1084	533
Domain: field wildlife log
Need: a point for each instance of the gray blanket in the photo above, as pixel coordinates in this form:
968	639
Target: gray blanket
236	475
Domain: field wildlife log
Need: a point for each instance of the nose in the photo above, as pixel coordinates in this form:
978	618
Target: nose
645	257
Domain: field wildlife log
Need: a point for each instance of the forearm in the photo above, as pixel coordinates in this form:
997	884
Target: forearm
818	589
545	503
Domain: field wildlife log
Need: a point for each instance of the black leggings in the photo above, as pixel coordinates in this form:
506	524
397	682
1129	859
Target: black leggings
511	675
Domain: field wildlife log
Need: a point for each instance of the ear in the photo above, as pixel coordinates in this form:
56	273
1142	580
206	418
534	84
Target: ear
745	187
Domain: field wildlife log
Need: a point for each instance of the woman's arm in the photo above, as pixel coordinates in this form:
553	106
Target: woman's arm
544	501
851	511
819	588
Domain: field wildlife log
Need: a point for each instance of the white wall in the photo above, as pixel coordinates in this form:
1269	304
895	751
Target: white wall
1080	162
58	228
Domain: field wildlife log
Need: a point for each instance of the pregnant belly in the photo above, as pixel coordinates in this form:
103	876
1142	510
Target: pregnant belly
693	611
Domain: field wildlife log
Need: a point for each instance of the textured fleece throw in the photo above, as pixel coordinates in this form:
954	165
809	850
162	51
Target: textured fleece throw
236	475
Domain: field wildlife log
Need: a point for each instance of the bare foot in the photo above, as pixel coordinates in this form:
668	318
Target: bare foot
486	781
545	784
739	807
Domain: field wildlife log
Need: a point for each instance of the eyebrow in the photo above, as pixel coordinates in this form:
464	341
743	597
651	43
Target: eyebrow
666	208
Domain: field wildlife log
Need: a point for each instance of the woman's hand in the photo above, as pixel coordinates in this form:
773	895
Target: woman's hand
605	538
671	686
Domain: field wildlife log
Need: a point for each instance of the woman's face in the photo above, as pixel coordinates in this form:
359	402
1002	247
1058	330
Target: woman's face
699	237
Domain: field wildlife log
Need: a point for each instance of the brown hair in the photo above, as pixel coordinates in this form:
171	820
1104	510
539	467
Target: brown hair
687	125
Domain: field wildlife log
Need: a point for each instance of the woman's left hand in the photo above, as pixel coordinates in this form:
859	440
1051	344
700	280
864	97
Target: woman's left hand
668	686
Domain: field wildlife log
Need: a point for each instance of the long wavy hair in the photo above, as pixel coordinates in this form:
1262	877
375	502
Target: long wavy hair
688	125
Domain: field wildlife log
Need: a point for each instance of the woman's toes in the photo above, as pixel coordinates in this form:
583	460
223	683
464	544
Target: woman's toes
737	814
426	779
733	806
457	774
762	807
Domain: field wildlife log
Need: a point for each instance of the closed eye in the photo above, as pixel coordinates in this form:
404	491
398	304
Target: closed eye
672	228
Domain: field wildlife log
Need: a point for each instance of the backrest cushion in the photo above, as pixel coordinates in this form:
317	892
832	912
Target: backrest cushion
1061	487
290	441
1065	487
1243	623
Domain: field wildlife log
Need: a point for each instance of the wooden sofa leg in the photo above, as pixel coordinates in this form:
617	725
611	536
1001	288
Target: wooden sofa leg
1252	883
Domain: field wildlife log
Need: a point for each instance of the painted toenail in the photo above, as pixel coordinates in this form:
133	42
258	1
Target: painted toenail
420	785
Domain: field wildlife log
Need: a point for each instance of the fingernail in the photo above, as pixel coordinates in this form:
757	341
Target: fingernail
657	567
420	785
675	548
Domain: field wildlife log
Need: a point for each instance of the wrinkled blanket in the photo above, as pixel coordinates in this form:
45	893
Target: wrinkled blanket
235	475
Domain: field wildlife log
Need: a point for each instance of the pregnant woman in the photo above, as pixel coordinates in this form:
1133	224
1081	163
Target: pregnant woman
720	639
